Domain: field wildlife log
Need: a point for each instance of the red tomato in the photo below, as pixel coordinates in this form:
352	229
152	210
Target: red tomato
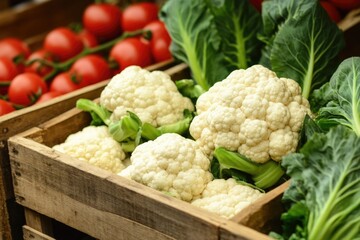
103	20
331	10
257	4
89	39
64	83
137	15
38	67
5	107
63	43
47	96
346	4
90	69
26	88
8	71
131	51
160	41
13	47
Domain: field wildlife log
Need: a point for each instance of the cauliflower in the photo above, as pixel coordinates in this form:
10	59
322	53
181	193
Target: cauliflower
96	146
226	197
152	96
252	112
171	164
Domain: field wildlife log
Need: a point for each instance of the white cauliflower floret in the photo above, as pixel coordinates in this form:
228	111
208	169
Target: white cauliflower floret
226	197
96	146
152	96
171	164
260	112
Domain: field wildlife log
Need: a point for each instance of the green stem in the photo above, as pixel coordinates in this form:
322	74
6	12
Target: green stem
264	175
306	88
355	103
4	83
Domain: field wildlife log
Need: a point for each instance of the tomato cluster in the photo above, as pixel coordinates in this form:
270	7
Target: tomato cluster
109	40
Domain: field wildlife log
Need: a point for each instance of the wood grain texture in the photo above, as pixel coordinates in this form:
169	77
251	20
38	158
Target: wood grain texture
38	222
264	214
21	21
234	231
99	203
32	234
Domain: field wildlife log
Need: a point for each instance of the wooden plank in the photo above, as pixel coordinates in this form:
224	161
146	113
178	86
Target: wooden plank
98	202
38	222
233	231
20	22
264	214
32	234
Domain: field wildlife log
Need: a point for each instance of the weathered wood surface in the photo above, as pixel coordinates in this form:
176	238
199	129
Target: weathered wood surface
96	202
32	234
264	214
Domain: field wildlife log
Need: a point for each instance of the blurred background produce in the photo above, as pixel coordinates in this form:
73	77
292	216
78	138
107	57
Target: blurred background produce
101	41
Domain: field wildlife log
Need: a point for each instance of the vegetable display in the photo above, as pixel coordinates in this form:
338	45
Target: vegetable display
268	100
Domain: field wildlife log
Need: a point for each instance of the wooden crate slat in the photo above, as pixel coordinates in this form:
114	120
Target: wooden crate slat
264	214
233	231
32	234
47	182
21	21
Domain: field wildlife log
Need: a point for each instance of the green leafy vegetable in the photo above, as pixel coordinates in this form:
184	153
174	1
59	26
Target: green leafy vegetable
308	129
302	42
343	96
263	175
324	194
213	37
237	23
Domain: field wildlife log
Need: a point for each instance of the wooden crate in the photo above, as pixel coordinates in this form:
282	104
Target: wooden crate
97	202
11	214
33	18
45	196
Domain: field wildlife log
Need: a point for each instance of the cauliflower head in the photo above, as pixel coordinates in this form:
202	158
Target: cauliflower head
152	96
226	197
252	112
95	145
171	164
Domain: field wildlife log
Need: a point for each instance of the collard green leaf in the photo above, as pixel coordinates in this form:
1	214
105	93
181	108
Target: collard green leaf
275	14
302	42
195	39
325	181
344	101
237	23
